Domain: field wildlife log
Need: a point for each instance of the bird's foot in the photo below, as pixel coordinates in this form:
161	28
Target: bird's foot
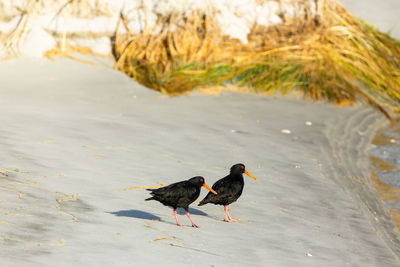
195	225
179	224
230	220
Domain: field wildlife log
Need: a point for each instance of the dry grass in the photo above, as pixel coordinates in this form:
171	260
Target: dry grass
341	59
78	9
29	9
64	49
335	57
86	9
12	39
161	55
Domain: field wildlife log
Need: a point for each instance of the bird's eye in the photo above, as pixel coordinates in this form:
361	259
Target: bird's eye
201	180
242	167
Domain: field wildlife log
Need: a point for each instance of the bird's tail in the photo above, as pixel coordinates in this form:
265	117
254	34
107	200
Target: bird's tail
150	198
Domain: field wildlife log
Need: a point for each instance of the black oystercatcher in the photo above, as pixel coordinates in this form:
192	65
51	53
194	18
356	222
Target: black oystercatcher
180	195
229	189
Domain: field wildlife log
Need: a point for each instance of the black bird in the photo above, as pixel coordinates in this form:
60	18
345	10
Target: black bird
229	189
180	195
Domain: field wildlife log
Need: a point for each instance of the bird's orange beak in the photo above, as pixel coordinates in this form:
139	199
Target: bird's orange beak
209	188
251	175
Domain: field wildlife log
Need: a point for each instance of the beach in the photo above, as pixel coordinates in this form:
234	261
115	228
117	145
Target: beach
78	142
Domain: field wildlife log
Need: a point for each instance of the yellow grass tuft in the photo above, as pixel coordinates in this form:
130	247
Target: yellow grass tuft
337	58
64	49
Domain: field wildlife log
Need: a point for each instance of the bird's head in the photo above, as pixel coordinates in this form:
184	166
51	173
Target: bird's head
200	181
239	168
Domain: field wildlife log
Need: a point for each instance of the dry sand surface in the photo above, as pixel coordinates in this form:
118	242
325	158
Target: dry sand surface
382	14
75	141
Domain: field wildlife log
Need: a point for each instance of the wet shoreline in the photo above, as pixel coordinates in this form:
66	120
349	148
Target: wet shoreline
385	167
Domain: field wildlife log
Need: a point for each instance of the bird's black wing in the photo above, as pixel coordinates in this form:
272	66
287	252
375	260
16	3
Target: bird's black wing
175	195
222	187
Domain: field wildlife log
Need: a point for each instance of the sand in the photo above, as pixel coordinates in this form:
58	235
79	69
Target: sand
77	139
77	142
384	16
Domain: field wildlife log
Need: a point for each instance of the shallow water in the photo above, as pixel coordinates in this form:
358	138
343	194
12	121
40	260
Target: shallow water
385	164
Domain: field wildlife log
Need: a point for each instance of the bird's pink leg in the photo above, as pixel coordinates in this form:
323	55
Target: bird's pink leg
176	218
227	216
190	218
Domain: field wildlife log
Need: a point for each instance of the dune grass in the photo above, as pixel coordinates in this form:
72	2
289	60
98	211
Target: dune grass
341	59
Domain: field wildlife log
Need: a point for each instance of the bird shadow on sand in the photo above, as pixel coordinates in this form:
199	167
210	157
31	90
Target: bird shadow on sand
192	211
138	214
144	215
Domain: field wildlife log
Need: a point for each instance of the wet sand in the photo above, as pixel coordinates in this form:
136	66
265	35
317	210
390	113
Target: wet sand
384	163
385	167
77	140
